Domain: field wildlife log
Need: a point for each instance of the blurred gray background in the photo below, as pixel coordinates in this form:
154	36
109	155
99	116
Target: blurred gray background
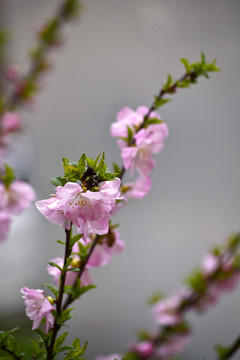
118	54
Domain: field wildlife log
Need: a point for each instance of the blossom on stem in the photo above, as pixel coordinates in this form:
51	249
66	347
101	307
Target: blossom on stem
166	311
10	121
109	245
88	210
148	141
17	197
70	275
38	307
127	118
174	346
138	189
143	348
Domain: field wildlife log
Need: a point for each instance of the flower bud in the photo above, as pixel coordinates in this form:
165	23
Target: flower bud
51	300
75	262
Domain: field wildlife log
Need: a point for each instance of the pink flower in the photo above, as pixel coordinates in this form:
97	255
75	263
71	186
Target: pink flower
89	211
210	264
109	357
166	311
143	348
173	347
103	252
10	121
17	197
137	189
12	72
70	276
129	118
5	220
38	307
147	142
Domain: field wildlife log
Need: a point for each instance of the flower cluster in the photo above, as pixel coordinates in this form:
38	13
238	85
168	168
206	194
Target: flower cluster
89	210
14	198
219	273
139	137
107	246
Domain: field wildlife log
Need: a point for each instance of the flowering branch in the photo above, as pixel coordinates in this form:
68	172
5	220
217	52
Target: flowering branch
219	273
193	72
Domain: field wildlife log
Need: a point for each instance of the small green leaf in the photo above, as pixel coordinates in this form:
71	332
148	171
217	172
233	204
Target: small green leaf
222	351
74	239
55	265
159	102
52	288
185	62
151	121
61	242
60	340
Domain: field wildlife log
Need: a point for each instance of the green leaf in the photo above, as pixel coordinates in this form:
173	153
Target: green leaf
159	102
60	340
222	351
8	177
155	298
59	181
197	282
52	288
185	63
55	265
151	121
74	239
45	337
130	134
117	170
82	164
65	316
61	242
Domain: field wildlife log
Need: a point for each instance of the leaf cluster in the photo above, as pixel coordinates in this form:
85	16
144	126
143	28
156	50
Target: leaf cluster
8	176
74	171
78	351
9	344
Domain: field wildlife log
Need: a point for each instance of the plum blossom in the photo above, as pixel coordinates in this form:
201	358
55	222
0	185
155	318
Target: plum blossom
17	197
143	348
10	121
70	275
126	117
138	189
88	210
210	264
109	245
166	312
147	142
173	347
38	307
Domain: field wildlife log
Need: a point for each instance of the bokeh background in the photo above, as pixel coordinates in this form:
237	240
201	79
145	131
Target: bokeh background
118	54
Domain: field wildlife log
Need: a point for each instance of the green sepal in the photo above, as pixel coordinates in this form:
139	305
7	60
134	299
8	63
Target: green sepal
52	288
160	102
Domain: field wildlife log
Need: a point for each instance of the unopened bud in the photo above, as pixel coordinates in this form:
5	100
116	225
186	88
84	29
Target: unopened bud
110	238
75	262
51	300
